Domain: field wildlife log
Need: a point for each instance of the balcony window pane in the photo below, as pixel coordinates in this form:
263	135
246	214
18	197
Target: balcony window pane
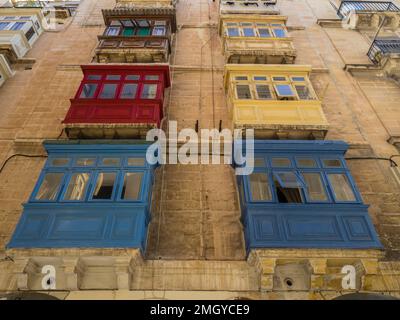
243	91
152	77
331	163
158	31
60	162
18	26
259	186
88	90
129	91
341	187
264	33
279	33
111	161
298	79
143	32
4	25
288	187
132	77
85	162
280	162
284	90
248	32
50	186
233	32
149	91
240	78
139	162
306	163
104	186
260	78
77	187
128	32
112	31
279	78
94	77
127	23
303	92
131	187
108	91
263	92
142	23
315	187
113	77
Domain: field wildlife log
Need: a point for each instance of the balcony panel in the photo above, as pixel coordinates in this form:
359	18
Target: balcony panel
246	6
263	51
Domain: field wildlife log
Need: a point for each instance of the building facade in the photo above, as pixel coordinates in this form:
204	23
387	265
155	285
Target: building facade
317	81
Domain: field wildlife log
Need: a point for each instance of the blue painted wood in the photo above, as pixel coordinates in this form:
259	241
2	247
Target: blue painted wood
115	223
328	224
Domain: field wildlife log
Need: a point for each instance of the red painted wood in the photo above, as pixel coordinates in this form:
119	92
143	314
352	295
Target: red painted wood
117	110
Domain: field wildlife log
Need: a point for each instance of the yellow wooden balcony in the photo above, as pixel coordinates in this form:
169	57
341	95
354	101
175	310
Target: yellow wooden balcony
256	39
278	101
146	3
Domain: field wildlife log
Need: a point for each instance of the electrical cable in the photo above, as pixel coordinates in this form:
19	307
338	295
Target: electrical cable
21	155
392	162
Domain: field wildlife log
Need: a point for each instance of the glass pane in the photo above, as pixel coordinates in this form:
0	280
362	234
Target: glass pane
88	90
151	77
332	163
131	187
112	31
136	162
241	78
132	77
233	32
248	32
298	79
108	91
142	23
50	185
128	32
259	162
243	91
284	90
58	162
77	186
315	187
263	91
143	32
129	91
149	91
158	31
306	163
113	77
127	23
279	33
280	162
288	179
94	77
85	162
111	161
279	78
341	187
260	78
303	92
264	33
104	186
259	186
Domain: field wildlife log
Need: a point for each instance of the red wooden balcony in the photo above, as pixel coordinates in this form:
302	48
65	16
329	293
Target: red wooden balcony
117	101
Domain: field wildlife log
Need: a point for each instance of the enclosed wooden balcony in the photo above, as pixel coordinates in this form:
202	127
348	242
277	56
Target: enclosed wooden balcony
116	101
256	39
135	34
277	101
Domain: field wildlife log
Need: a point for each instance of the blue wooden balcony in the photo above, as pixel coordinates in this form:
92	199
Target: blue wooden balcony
365	6
89	195
302	195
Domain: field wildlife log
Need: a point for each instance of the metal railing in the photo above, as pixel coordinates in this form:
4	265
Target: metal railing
365	6
382	47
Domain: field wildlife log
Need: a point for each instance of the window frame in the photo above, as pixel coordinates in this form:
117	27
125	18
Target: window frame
68	180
